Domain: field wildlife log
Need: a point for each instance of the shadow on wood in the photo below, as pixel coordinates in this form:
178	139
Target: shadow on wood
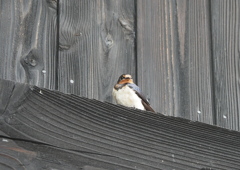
43	129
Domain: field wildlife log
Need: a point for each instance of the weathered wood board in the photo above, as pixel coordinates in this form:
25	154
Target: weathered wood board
28	41
183	54
174	57
96	46
226	51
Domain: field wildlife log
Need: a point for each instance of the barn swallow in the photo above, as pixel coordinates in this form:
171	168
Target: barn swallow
126	93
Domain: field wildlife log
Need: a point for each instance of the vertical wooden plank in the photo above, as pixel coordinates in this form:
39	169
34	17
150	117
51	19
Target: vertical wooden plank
195	73
174	57
28	41
226	48
156	49
96	46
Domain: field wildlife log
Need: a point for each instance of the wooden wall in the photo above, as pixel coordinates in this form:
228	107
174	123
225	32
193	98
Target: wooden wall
183	54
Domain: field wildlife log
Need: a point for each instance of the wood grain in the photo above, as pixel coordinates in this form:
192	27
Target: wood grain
28	155
96	46
195	64
183	54
174	63
7	88
28	41
56	129
226	48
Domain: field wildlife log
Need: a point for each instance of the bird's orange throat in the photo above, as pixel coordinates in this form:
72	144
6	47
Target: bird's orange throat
124	81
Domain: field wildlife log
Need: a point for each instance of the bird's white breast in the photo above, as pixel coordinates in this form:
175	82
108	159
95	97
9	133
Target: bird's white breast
127	97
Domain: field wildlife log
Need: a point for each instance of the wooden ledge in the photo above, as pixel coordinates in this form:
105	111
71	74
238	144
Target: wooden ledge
44	129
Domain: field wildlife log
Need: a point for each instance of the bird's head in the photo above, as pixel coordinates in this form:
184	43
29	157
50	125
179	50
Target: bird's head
125	78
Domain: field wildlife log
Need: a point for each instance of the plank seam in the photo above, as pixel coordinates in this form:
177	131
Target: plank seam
57	46
212	79
54	146
135	42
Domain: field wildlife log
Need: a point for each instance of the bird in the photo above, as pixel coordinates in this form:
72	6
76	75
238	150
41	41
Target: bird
128	94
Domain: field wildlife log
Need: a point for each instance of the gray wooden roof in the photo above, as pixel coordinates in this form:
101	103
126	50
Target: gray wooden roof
44	129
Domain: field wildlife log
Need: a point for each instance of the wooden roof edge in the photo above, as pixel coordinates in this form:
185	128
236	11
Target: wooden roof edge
90	133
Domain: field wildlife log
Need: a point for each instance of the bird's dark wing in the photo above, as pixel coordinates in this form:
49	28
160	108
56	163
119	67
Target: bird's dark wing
145	103
147	107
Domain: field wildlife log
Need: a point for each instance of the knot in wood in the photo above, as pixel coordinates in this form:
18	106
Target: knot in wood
109	41
125	24
30	61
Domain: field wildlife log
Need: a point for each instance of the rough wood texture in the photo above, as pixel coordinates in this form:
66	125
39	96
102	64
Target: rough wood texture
226	50
96	46
36	156
183	54
28	41
54	129
173	49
